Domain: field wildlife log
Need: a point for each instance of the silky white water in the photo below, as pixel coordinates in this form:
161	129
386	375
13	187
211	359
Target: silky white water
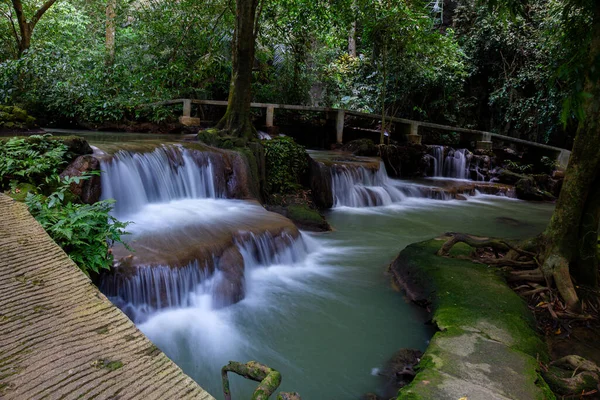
321	310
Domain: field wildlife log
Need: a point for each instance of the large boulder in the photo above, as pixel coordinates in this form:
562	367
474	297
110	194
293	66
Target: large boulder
87	190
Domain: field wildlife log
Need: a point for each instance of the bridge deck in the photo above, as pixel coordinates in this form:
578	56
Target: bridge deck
60	338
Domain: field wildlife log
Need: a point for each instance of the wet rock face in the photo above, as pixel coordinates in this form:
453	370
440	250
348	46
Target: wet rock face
230	286
405	161
320	185
361	147
88	190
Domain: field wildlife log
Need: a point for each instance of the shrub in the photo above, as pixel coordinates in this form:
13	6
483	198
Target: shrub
286	162
84	231
30	159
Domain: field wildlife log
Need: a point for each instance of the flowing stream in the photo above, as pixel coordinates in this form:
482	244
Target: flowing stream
318	308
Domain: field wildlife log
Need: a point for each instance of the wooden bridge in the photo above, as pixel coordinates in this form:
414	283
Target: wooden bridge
60	338
408	127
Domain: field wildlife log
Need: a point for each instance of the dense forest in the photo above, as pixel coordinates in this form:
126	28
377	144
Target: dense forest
89	63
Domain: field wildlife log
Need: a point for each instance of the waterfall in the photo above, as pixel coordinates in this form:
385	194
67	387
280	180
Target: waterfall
165	174
455	165
154	288
438	160
358	186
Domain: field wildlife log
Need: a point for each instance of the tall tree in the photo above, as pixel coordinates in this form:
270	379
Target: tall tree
236	120
572	235
111	14
23	38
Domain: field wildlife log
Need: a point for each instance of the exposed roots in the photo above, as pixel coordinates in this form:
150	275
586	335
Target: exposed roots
535	279
473	241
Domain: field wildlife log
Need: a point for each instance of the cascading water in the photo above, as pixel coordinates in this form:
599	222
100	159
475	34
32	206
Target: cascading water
167	173
359	186
457	164
182	231
156	288
438	160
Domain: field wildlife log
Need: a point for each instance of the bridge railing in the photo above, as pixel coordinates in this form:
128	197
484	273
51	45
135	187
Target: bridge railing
411	126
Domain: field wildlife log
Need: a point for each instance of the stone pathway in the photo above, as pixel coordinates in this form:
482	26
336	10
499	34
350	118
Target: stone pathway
60	338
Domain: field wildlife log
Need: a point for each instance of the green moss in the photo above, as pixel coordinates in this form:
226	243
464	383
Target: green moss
464	293
107	364
20	191
475	309
304	213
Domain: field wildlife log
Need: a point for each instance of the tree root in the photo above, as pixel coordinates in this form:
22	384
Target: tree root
535	275
573	375
473	241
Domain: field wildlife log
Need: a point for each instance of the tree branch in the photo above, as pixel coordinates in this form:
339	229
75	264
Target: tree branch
41	12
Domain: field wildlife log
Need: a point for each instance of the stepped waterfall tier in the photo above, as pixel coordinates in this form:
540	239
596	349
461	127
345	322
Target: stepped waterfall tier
187	240
361	186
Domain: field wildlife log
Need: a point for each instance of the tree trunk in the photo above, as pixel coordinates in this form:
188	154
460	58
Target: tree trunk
577	206
111	14
352	40
237	117
26	28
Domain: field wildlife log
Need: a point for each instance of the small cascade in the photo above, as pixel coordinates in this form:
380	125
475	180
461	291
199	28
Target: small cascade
154	288
165	174
267	249
438	160
456	164
358	186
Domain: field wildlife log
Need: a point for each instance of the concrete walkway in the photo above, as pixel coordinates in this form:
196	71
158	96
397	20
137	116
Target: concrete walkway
60	338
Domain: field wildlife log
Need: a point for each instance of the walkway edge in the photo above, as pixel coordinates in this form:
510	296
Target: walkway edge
60	337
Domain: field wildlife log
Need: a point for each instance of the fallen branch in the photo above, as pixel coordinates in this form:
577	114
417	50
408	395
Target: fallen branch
269	378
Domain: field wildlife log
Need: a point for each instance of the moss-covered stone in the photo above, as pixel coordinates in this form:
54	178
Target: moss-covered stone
15	118
307	218
487	346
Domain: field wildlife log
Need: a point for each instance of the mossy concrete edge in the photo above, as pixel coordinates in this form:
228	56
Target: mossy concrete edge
487	346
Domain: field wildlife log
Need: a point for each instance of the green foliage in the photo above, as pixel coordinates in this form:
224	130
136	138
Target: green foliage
85	232
286	162
549	164
30	159
518	167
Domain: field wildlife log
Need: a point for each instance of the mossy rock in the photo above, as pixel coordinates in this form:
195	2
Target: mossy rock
487	346
307	218
20	192
220	139
12	117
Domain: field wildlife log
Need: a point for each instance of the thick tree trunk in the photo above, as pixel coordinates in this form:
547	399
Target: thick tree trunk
111	14
577	204
237	117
